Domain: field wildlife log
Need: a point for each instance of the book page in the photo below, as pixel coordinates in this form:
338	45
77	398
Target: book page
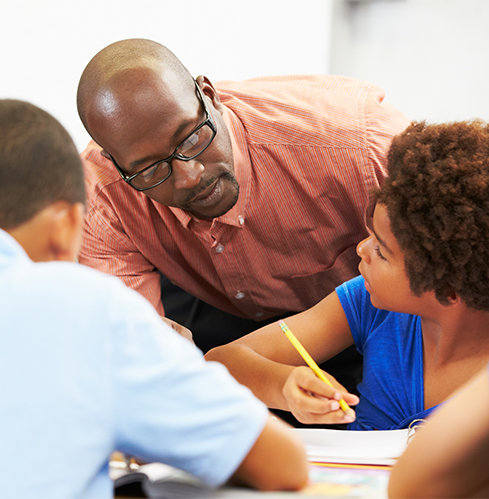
361	447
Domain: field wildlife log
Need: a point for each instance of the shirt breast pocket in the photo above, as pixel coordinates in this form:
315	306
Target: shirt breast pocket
313	287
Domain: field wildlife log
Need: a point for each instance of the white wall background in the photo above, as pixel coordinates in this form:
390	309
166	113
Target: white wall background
431	56
45	45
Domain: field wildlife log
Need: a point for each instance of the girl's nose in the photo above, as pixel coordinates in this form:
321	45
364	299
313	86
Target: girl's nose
362	249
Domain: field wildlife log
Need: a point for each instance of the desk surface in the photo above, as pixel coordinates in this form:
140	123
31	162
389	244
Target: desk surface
375	450
327	480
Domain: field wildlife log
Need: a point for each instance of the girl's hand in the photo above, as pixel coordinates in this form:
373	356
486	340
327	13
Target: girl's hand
312	401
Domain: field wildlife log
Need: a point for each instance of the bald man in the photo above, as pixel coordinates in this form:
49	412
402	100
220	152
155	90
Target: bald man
251	196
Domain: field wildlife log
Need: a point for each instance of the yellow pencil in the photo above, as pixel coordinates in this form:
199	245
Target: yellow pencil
310	362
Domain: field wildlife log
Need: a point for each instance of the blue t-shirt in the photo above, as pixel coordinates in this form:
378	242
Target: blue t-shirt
392	388
88	367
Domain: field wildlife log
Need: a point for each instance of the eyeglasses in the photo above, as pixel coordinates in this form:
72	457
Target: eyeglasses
195	143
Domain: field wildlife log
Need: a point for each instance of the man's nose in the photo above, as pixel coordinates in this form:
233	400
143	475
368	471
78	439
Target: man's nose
186	174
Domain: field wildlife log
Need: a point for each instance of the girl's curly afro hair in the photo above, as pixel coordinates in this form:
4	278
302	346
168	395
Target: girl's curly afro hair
437	198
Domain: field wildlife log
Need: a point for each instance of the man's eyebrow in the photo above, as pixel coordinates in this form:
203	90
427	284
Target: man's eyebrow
137	162
381	241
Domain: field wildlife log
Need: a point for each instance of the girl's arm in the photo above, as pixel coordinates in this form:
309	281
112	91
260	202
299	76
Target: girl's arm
266	362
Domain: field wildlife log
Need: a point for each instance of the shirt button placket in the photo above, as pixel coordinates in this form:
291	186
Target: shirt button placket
220	249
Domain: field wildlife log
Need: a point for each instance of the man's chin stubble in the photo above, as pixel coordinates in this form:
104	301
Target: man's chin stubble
234	183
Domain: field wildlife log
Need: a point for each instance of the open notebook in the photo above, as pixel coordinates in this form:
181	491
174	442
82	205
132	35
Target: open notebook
358	447
322	446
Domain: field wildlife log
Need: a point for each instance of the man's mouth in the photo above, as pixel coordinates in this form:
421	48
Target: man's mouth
210	196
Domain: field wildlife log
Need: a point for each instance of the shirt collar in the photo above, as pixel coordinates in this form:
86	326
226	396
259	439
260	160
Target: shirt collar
9	247
242	169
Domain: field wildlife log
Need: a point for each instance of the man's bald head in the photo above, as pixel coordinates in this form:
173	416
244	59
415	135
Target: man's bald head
142	106
124	71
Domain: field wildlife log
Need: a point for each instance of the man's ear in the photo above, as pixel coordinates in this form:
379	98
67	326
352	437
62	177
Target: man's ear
209	91
106	155
66	230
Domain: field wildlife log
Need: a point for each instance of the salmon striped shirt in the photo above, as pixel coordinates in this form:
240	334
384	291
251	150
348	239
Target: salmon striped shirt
307	151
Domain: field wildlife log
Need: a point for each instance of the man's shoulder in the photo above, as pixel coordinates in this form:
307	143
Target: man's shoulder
302	110
98	170
335	84
106	192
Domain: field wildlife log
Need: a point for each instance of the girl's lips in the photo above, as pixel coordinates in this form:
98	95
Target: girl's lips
367	285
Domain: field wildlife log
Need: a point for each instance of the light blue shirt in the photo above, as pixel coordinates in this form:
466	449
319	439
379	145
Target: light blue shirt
88	367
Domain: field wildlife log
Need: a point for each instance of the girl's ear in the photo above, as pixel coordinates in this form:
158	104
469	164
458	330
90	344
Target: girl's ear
454	299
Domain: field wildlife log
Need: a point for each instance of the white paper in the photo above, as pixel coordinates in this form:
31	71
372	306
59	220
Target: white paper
346	446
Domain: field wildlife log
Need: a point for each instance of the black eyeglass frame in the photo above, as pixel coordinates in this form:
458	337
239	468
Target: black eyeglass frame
209	121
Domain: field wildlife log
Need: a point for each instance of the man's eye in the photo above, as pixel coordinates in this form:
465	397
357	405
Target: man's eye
193	142
149	173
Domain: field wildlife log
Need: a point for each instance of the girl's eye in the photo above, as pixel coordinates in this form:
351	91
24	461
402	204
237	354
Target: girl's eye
379	253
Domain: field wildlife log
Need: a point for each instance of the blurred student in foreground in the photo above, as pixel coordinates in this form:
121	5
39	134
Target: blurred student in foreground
419	312
87	366
449	456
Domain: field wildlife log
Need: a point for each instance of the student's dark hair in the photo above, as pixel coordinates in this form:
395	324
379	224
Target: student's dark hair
437	198
39	163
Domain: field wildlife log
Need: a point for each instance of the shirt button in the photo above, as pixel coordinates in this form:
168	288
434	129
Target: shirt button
241	220
240	295
219	248
259	314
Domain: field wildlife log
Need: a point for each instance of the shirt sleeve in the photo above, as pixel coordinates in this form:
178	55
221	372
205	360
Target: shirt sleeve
383	122
171	405
360	313
105	246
